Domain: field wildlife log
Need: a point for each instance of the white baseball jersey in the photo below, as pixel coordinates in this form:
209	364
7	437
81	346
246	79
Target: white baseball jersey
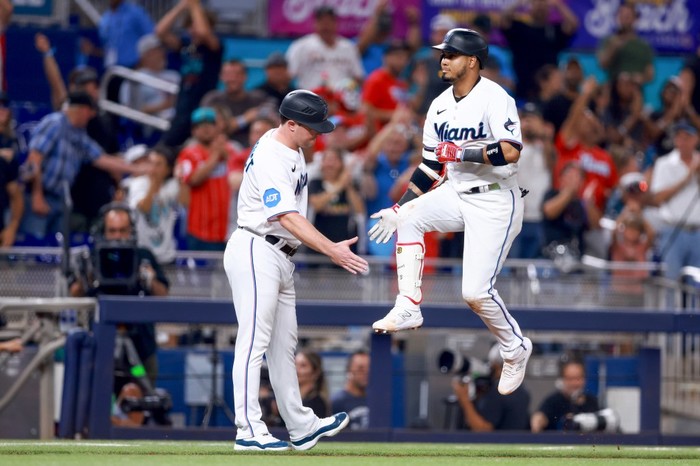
490	220
484	116
262	286
274	183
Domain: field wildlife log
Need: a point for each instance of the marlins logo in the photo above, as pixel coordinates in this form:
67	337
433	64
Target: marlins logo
509	126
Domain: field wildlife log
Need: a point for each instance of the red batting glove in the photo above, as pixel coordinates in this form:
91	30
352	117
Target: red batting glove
448	151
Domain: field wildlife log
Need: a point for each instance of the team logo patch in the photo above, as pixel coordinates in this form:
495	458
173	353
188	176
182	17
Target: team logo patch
271	197
509	126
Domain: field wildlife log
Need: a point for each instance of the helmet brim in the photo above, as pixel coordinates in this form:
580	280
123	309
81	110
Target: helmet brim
447	48
325	126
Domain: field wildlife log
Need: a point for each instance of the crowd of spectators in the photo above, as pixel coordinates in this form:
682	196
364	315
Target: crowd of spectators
581	137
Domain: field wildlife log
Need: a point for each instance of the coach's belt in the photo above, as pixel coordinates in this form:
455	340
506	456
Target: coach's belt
276	241
483	189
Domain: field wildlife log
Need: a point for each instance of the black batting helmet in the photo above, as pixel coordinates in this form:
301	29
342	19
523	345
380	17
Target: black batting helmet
308	109
465	42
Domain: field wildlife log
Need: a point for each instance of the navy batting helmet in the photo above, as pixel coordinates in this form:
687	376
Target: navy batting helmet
308	109
465	42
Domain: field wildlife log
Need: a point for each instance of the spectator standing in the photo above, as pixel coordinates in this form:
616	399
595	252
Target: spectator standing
534	174
388	155
59	146
312	382
353	398
278	82
384	89
323	57
154	200
535	40
145	98
498	61
624	118
11	196
376	34
690	79
334	199
579	141
676	190
557	107
674	107
120	28
490	410
557	410
93	187
241	107
566	216
625	51
200	55
202	167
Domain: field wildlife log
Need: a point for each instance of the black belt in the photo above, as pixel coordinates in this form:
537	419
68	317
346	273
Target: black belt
285	248
274	240
483	189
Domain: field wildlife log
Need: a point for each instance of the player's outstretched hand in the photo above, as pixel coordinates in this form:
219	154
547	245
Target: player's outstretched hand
342	255
382	231
448	151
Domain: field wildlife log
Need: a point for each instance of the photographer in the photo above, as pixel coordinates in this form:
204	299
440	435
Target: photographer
570	407
118	267
489	410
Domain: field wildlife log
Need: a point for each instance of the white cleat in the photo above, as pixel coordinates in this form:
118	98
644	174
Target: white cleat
328	427
514	371
265	442
398	319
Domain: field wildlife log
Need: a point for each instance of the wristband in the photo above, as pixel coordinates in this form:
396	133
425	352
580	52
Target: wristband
495	154
50	52
473	155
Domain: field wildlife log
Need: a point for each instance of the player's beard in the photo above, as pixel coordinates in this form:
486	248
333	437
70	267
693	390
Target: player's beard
454	76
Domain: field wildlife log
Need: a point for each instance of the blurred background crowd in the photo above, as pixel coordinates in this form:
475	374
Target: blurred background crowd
611	167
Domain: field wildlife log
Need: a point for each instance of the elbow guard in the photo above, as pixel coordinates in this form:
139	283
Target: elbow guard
426	175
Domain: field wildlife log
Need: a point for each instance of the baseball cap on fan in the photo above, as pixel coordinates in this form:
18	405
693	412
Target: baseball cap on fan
442	22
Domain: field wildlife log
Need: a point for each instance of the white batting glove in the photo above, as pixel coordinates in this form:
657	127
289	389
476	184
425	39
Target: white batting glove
382	231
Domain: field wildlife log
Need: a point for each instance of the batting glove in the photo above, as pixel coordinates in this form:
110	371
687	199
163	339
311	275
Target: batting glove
448	151
382	231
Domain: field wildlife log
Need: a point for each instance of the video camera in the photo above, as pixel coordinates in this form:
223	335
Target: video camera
110	265
469	371
116	263
156	406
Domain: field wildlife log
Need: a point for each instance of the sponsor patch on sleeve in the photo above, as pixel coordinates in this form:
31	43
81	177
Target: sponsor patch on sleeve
271	197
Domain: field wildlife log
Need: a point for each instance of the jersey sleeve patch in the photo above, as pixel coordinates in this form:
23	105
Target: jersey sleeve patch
271	197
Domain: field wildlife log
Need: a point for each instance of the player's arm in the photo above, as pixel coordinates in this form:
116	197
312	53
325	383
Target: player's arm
339	252
498	153
477	423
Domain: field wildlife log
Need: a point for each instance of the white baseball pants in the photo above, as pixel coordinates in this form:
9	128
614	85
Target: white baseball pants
264	300
490	222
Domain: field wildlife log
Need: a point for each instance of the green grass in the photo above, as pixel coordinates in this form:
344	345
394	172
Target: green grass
146	453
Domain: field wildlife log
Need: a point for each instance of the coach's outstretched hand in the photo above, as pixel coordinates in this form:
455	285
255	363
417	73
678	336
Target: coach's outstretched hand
341	255
382	231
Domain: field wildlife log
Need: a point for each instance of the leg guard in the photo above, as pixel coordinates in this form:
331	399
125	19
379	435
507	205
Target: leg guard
409	269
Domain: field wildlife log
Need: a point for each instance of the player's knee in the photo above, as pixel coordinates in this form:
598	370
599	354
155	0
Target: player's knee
475	303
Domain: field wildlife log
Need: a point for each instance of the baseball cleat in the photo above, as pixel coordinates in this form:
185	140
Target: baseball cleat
514	371
398	319
328	427
265	442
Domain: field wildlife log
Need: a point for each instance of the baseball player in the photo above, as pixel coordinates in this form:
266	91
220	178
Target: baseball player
472	130
272	223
